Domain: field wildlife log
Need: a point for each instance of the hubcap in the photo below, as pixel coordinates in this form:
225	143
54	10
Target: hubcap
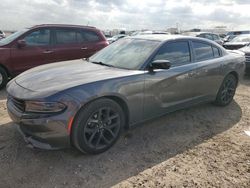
228	90
102	128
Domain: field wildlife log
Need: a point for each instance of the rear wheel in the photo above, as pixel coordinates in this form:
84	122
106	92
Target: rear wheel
226	91
98	126
3	78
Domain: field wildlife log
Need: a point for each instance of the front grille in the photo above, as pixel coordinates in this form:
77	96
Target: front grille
17	103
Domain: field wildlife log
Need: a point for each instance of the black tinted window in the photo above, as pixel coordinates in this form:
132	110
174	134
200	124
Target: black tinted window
65	36
90	36
176	53
38	38
216	52
202	51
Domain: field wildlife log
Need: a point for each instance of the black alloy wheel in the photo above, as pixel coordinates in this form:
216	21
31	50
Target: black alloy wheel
98	126
227	90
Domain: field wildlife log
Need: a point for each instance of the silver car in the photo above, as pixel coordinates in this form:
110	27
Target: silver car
87	103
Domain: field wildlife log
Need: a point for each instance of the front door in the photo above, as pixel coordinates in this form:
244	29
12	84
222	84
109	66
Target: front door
35	52
168	90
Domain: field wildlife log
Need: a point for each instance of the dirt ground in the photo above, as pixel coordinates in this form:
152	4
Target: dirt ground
204	146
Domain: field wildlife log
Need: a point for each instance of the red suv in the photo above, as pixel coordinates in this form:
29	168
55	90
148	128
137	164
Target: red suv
44	44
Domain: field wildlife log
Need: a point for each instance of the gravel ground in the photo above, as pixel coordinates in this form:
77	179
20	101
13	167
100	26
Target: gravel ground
203	146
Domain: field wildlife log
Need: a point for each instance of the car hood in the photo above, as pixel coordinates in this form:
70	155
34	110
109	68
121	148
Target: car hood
64	75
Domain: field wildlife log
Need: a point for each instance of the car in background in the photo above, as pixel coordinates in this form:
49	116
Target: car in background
2	34
246	51
44	44
206	35
149	33
232	34
115	38
222	36
238	42
88	103
228	38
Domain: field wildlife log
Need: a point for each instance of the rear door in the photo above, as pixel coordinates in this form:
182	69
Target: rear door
208	60
73	43
168	90
36	52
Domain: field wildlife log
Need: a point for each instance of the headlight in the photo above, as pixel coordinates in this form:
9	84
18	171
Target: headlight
43	107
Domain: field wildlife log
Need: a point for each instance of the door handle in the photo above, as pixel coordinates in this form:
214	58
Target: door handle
84	48
47	51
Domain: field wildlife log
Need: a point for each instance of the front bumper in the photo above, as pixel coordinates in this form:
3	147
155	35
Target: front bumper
40	132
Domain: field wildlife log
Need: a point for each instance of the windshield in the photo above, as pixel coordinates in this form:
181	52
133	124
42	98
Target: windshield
242	39
126	53
12	37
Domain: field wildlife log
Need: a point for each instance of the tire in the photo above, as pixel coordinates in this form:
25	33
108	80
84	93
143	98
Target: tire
3	78
227	90
97	126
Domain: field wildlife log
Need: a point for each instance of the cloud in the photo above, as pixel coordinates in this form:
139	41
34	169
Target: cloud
130	14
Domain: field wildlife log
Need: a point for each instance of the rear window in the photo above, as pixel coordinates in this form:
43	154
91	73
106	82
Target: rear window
71	36
90	36
203	51
65	36
216	52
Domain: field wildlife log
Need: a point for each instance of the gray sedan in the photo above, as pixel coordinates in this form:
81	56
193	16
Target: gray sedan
87	103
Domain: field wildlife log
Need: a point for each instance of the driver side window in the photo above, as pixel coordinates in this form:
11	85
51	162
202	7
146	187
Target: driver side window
176	52
38	38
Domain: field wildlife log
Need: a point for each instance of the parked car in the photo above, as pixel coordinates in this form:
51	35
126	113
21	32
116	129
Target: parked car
87	104
232	34
152	33
2	35
44	44
115	38
228	38
246	51
206	35
238	42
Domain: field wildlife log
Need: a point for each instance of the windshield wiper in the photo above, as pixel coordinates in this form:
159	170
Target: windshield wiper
101	63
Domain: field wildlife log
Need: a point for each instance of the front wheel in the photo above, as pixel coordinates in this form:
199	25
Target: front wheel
97	126
226	91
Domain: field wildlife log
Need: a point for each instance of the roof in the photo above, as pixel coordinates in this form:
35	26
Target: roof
62	25
197	33
163	37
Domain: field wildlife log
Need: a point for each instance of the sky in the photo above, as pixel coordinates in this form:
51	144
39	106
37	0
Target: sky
127	14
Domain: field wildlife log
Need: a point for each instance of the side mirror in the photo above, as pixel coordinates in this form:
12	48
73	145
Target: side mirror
160	64
21	43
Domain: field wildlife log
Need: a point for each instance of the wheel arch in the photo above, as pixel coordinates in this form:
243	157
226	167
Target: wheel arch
119	100
115	98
